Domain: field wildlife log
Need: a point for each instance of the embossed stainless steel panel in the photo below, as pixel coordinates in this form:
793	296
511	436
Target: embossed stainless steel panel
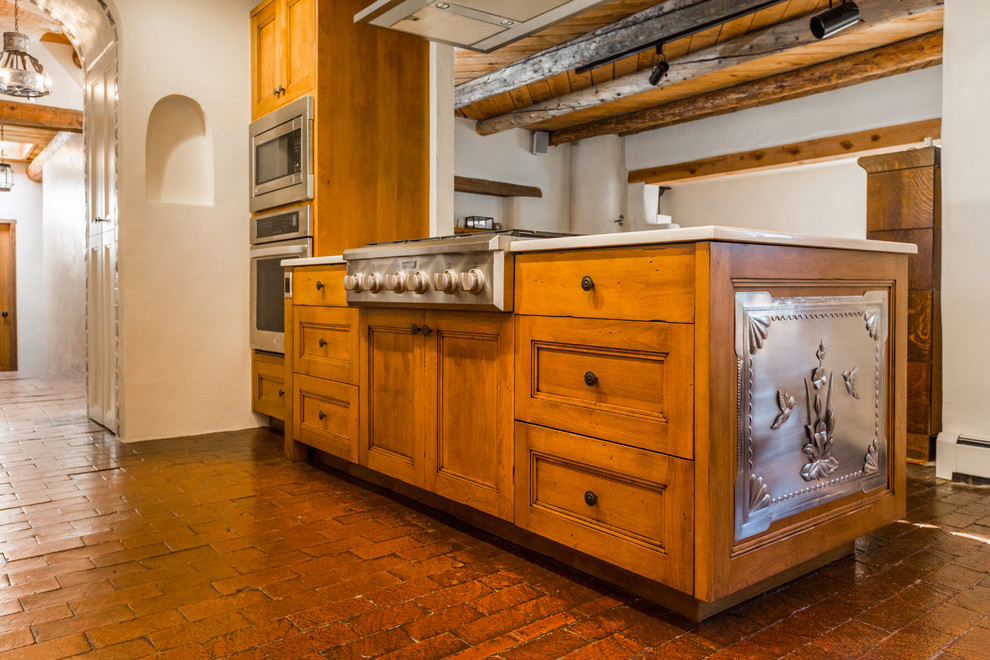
812	385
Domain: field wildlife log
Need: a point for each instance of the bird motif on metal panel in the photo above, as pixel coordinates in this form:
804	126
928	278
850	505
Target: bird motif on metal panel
786	404
850	378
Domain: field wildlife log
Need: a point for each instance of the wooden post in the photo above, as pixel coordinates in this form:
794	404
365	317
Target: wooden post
904	204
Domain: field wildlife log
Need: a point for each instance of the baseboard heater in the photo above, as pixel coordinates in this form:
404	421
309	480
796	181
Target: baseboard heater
960	455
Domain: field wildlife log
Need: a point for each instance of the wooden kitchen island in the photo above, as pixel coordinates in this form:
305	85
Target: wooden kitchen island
695	414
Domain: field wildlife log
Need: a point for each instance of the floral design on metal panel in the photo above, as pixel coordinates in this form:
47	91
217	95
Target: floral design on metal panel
819	432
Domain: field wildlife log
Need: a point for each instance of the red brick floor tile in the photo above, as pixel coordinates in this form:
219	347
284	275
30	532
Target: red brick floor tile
492	626
81	623
15	639
381	643
442	621
63	647
913	642
386	618
198	631
441	646
973	644
246	638
134	628
136	648
616	646
851	639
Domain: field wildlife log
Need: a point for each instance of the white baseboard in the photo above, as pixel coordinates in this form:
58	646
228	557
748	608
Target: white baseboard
957	454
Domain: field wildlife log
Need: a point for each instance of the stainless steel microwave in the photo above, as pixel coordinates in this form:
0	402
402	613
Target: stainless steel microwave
282	156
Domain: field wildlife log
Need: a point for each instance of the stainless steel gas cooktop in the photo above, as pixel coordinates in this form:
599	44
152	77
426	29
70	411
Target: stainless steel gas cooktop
461	271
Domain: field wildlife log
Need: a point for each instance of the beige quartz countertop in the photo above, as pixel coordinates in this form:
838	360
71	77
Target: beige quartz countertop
313	261
662	236
708	233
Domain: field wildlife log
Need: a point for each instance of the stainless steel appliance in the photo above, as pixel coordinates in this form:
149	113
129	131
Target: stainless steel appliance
282	156
462	271
274	237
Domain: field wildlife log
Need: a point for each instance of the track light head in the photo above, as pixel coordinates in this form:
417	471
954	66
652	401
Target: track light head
834	19
659	71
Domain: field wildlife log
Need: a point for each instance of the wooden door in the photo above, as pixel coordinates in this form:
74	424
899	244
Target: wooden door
8	299
265	71
469	456
298	49
397	399
101	291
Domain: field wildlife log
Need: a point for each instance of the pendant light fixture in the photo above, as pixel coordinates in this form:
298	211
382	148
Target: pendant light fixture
6	171
20	72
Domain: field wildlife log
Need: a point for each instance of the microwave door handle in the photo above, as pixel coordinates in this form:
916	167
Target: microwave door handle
281	129
275	251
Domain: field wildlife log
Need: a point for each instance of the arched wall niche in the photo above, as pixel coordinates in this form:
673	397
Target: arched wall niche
179	153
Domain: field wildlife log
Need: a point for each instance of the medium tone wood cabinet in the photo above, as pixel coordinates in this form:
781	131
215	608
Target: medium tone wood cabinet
283	53
438	407
268	384
634	425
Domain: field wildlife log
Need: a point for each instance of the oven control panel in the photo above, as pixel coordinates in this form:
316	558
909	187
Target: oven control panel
472	280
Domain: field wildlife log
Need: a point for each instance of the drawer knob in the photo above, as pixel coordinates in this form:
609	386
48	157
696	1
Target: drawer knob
319	285
281	393
323	342
590	379
427	330
322	415
590	498
414	329
587	283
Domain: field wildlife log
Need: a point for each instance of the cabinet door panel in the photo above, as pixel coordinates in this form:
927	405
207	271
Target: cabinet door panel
470	455
268	385
398	398
265	69
325	415
299	50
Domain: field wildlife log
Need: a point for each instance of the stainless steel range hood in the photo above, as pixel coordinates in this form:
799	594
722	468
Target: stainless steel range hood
479	25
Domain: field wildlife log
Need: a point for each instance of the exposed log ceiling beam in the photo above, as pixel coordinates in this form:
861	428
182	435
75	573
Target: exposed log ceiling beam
664	21
746	48
900	57
36	169
31	115
797	153
495	188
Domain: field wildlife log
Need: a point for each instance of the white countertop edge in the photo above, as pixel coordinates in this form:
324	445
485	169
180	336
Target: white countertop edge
708	233
313	261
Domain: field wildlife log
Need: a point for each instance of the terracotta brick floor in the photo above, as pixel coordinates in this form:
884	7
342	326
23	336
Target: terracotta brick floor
215	546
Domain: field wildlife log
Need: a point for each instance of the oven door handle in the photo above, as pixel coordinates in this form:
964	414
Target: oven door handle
288	250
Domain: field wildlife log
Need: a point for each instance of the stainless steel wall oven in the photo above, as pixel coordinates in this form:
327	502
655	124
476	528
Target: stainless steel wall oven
274	237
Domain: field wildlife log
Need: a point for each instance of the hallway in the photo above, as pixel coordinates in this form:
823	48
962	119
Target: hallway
215	546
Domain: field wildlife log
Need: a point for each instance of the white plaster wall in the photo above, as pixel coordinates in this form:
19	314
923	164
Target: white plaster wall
67	78
827	199
23	204
886	102
64	249
507	157
184	351
966	218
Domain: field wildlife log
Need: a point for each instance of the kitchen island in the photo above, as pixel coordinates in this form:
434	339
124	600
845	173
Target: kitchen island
695	414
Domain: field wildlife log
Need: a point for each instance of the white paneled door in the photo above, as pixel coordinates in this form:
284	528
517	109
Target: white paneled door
101	321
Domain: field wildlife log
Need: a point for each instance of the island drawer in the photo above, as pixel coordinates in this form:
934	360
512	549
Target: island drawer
325	416
637	284
268	385
630	507
624	381
319	285
325	342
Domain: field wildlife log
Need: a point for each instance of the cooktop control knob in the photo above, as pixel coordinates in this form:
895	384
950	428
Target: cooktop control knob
417	282
373	282
396	282
473	281
445	281
352	283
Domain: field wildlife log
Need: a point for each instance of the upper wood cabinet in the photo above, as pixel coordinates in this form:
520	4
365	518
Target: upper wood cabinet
283	53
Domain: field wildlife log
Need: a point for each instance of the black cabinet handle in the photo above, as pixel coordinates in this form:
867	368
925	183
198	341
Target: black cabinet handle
322	415
323	342
587	283
281	393
590	379
414	329
275	92
427	330
319	285
3	314
590	498
281	90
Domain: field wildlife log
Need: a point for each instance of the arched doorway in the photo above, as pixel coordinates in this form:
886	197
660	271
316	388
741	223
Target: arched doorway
92	27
